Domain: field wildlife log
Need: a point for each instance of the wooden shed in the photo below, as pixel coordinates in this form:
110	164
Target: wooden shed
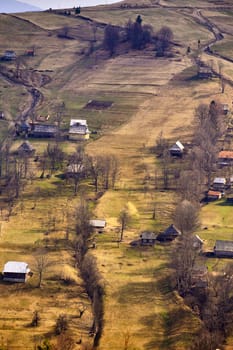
43	130
147	238
169	234
219	183
177	149
225	158
223	249
98	224
15	271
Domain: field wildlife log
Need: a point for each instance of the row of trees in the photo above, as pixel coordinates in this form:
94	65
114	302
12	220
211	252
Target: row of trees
138	35
214	304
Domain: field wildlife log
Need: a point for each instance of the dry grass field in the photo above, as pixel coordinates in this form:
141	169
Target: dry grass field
148	96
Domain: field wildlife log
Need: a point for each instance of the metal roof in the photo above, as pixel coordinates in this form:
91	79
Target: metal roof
220	180
226	246
98	223
226	154
148	235
76	122
16	266
177	146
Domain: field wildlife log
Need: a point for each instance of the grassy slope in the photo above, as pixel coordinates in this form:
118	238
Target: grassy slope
139	302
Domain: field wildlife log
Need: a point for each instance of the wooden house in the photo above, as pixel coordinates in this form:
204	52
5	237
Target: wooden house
15	271
213	195
98	225
219	183
223	249
78	130
225	158
43	130
26	149
197	242
177	149
9	55
204	72
169	234
147	238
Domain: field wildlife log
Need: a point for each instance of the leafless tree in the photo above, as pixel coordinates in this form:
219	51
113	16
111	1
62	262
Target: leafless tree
41	265
186	217
124	220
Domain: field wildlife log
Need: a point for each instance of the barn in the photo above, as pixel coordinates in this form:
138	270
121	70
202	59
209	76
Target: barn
223	249
15	271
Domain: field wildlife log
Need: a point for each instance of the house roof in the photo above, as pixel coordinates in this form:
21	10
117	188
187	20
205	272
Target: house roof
148	235
16	266
75	122
43	128
98	223
78	126
177	146
26	147
214	193
226	246
79	130
172	231
226	154
219	180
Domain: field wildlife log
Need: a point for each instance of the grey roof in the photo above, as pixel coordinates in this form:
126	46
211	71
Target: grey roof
16	267
172	231
177	147
226	246
43	128
79	130
98	223
220	180
148	235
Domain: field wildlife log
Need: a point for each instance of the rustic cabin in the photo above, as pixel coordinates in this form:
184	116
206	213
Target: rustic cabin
98	225
15	271
177	149
78	130
26	149
43	130
223	249
9	55
204	72
199	277
169	234
213	195
225	158
147	238
219	184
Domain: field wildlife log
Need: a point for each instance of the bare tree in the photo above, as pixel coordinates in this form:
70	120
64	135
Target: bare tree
41	265
164	38
186	217
124	220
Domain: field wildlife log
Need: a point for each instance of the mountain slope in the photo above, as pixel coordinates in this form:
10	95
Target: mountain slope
13	6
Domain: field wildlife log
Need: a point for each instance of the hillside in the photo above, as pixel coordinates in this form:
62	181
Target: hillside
135	96
13	6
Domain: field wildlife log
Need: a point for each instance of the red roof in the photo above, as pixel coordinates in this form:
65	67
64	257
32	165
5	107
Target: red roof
214	193
226	154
